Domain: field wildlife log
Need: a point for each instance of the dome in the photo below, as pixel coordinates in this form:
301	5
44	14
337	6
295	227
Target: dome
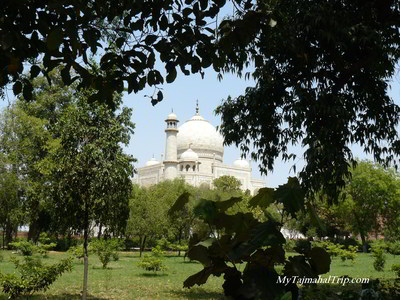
171	117
202	137
241	163
152	162
189	155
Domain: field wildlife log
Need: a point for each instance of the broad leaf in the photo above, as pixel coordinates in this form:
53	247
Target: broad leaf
263	199
320	260
179	203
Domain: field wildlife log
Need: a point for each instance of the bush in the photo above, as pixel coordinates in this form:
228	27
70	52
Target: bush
379	262
338	250
154	262
26	248
289	245
396	269
44	249
33	276
65	243
76	251
394	248
106	249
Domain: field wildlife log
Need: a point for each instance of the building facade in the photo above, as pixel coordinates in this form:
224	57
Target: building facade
194	151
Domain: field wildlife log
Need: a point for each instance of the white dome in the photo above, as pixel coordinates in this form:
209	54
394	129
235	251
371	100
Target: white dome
202	137
189	155
152	162
172	116
241	163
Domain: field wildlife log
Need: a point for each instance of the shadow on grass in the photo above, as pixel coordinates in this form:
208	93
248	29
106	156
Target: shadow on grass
197	293
55	297
189	262
152	275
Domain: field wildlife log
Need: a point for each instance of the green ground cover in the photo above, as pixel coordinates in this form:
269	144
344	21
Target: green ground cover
124	279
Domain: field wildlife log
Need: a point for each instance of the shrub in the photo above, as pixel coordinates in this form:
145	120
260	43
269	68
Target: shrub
379	262
76	251
33	276
396	269
154	262
289	245
26	248
106	249
338	250
44	249
394	248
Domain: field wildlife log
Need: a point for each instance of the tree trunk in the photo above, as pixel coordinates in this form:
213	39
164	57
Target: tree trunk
142	244
85	256
179	242
364	242
99	233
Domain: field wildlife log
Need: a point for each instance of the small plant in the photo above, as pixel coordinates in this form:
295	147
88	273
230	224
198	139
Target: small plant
33	276
77	252
380	259
26	248
394	248
396	269
154	262
106	249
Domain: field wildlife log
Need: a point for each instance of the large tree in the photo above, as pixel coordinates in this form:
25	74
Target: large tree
371	200
322	70
90	174
127	36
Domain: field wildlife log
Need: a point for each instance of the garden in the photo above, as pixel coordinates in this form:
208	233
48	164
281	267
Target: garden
125	277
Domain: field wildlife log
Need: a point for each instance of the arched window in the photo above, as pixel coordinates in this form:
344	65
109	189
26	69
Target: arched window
187	168
194	168
181	167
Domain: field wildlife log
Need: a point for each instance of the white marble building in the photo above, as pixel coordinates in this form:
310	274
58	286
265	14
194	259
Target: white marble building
194	151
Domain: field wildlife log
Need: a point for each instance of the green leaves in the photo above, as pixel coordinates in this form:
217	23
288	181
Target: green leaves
320	260
179	203
241	238
290	194
54	39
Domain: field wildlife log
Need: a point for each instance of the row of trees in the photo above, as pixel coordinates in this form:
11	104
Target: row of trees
369	206
63	163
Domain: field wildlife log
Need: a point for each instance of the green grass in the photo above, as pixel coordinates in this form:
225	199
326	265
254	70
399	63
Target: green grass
125	280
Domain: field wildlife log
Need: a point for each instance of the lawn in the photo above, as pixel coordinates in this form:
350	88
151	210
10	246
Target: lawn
125	280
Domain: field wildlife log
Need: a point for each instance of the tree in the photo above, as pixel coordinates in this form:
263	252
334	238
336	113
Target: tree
227	184
128	34
22	145
370	193
146	218
149	212
321	71
11	213
88	171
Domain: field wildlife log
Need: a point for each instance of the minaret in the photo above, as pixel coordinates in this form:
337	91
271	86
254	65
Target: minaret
171	149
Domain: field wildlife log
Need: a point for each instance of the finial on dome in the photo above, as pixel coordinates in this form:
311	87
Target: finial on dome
197	107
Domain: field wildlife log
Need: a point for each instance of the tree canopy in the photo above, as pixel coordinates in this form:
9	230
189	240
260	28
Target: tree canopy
321	67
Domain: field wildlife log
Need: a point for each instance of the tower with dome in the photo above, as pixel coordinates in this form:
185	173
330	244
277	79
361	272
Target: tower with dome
194	151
